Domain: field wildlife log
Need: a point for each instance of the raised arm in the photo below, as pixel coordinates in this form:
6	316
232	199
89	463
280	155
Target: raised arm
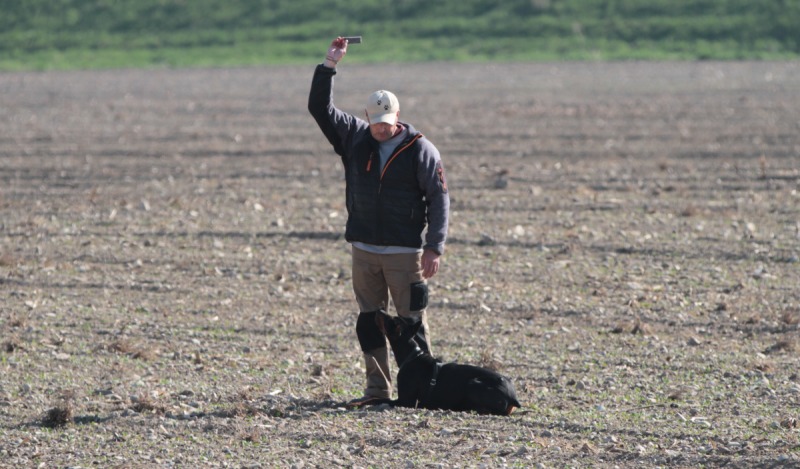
337	126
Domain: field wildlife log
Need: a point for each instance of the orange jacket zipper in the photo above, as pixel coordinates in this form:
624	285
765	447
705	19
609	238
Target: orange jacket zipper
392	159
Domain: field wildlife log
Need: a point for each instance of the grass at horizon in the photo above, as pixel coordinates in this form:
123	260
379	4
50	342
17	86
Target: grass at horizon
380	50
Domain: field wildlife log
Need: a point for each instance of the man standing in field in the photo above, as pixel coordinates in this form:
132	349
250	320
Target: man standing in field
395	187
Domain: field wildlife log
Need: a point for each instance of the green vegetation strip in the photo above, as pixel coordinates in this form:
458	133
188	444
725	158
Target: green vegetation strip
40	34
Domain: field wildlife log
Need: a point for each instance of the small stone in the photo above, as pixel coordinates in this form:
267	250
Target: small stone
486	240
547	433
305	444
580	385
62	356
556	449
693	342
380	408
600	408
750	227
775	424
145	205
610	439
783	457
246	349
500	183
194	404
26	388
298	465
127	413
519	230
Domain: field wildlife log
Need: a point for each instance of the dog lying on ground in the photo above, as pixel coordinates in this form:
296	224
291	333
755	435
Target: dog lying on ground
422	382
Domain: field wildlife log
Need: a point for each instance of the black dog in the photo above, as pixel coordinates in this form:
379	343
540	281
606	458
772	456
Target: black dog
424	382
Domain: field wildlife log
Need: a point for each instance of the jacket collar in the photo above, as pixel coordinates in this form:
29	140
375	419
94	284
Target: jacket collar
412	133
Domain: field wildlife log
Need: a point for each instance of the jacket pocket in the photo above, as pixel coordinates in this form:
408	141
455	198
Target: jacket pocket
419	296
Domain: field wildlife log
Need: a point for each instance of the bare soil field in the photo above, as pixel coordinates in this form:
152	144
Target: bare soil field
624	243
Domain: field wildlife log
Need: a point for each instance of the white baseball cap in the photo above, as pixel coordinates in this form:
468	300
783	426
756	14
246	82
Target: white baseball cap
382	106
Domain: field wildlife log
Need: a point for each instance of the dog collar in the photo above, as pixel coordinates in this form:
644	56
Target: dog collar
414	354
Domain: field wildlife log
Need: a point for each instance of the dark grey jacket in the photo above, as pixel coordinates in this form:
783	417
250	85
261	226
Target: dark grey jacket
389	207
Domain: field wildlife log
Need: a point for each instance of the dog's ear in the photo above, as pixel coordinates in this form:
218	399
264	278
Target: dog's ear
380	319
415	327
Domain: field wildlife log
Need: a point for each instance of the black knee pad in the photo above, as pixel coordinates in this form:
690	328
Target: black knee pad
419	296
369	334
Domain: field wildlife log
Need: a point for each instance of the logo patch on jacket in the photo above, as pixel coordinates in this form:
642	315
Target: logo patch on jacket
440	173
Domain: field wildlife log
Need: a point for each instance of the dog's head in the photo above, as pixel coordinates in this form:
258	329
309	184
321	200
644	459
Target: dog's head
396	329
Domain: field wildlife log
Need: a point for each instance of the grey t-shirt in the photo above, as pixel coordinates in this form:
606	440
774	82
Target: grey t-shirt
386	149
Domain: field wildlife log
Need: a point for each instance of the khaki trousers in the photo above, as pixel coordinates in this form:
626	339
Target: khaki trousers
375	277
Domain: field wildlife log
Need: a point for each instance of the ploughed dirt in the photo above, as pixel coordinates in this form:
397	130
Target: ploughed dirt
624	243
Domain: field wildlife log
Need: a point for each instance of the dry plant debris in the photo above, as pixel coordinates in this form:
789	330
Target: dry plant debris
17	321
12	344
58	416
146	404
489	361
788	345
7	260
640	327
791	316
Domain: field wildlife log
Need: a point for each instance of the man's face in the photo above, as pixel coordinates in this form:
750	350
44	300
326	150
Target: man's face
381	131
